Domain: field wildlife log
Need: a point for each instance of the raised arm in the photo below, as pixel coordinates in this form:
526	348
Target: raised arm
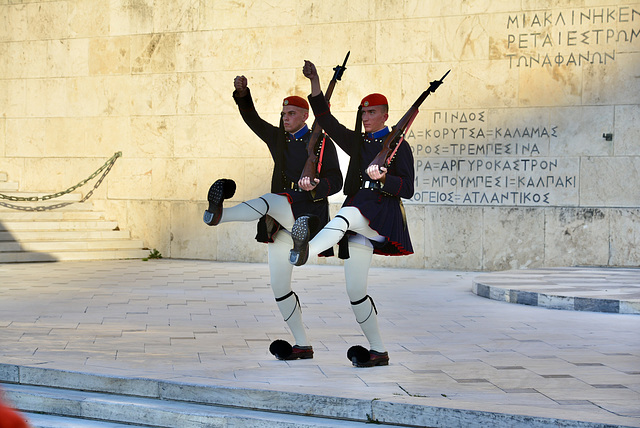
263	129
240	83
310	72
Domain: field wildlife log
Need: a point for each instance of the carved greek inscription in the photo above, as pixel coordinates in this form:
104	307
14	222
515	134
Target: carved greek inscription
463	159
570	37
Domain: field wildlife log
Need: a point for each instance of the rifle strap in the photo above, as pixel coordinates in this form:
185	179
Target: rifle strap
320	156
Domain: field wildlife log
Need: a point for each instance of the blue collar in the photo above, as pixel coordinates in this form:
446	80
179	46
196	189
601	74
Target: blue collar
300	132
379	134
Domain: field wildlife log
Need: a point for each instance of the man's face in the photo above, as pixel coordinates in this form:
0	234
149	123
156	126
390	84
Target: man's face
294	118
374	118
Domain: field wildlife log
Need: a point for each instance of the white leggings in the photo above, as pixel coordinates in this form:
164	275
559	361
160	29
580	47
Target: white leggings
356	267
356	273
348	218
280	270
277	206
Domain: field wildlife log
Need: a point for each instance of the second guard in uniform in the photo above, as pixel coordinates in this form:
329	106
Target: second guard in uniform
276	212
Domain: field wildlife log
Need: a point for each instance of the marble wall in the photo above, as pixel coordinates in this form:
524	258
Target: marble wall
513	169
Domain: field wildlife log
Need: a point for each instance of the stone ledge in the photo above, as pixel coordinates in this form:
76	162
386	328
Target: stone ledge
396	411
607	290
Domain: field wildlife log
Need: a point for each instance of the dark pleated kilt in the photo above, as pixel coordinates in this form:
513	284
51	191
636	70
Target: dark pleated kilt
301	205
385	217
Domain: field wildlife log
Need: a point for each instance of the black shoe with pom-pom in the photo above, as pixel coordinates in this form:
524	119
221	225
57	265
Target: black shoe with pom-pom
283	350
222	189
361	357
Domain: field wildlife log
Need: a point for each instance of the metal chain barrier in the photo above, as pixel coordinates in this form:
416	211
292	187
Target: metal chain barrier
104	169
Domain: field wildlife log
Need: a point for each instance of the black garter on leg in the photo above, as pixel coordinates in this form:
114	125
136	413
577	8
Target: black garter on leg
285	297
373	307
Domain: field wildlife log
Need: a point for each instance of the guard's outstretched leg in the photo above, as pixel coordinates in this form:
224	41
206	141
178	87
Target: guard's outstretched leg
219	191
301	234
304	227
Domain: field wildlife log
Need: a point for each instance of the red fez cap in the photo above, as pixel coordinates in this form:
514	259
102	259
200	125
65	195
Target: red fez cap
296	101
374	100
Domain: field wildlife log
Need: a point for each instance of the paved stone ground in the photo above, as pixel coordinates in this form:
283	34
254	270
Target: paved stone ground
211	323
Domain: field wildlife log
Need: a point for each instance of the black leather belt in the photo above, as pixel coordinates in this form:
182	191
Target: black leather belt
369	184
294	186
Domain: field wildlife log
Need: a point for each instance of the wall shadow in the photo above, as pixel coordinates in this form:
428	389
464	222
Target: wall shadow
13	251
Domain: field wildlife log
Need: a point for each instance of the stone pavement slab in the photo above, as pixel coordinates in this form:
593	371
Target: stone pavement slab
209	323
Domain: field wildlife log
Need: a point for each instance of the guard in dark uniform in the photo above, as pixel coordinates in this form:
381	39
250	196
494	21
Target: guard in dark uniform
277	211
372	217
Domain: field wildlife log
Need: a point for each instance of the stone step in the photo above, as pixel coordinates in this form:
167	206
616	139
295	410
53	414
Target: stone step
145	411
66	235
37	420
51	256
78	245
51	215
33	225
30	231
34	388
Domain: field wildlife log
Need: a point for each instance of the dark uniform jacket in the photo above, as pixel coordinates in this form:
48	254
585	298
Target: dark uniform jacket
289	153
380	204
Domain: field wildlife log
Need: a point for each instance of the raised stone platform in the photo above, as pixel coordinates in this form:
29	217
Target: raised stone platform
579	289
198	332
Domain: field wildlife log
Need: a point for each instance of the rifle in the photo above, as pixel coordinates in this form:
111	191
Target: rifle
385	156
313	165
